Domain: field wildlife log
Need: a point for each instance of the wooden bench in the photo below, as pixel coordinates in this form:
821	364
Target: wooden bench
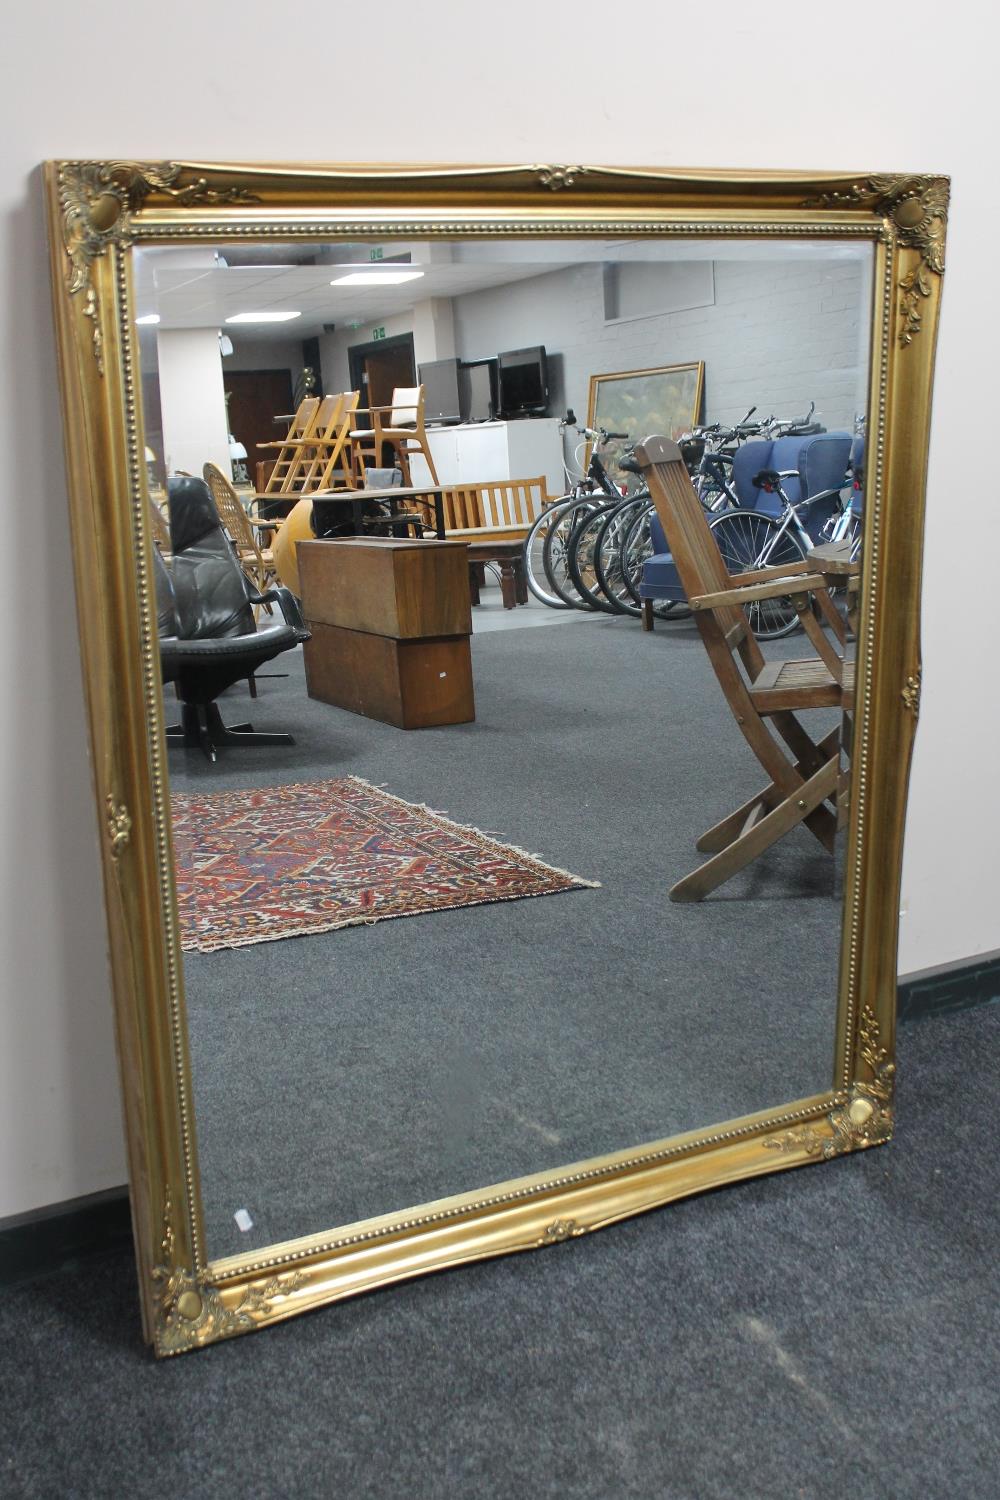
502	510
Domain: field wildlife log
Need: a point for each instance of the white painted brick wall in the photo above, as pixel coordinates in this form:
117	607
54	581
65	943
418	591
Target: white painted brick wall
781	334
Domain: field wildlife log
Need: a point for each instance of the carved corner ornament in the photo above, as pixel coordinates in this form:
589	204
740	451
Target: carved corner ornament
97	201
865	1117
918	208
190	1312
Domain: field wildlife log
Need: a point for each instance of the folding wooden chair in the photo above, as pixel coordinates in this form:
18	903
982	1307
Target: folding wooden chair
289	450
331	467
806	782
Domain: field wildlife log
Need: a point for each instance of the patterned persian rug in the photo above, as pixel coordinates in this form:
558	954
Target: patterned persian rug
277	862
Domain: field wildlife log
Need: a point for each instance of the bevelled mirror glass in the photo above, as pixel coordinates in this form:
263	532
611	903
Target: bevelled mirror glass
498	604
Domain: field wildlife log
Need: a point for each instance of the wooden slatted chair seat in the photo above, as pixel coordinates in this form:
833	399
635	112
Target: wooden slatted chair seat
811	677
807	784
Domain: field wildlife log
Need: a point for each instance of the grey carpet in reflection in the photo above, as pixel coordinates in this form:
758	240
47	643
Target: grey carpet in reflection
367	1070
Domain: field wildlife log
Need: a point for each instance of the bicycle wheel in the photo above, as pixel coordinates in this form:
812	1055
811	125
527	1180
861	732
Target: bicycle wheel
534	559
636	548
581	557
749	540
555	552
609	554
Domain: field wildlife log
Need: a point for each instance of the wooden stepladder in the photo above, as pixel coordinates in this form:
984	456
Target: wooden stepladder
806	782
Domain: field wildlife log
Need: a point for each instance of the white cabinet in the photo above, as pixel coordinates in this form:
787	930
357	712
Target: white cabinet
478	452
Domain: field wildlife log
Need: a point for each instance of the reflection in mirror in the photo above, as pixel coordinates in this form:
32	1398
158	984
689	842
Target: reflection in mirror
445	732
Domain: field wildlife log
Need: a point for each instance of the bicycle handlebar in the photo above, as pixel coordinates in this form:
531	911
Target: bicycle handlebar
591	434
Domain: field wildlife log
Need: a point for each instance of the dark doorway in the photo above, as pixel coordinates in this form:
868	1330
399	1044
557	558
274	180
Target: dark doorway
377	369
256	397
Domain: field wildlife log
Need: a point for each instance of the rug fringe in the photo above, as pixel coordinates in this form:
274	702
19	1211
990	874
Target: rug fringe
470	828
389	916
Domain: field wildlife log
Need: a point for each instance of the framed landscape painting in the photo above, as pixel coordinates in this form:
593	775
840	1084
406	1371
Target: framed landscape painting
665	400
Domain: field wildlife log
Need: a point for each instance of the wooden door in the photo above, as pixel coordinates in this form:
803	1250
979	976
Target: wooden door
256	397
388	371
378	368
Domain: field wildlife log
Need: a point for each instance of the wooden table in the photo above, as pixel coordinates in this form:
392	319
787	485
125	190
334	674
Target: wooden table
510	556
390	621
840	570
357	498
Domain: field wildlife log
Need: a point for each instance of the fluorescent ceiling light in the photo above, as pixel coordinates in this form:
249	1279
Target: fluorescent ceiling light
148	318
263	317
375	278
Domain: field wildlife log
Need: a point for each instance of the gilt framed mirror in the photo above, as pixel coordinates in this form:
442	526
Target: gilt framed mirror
516	707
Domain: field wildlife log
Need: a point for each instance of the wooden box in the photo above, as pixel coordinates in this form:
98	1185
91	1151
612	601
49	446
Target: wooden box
387	586
390	622
414	684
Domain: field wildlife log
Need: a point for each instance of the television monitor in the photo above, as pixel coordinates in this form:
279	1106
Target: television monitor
524	382
439	379
480	401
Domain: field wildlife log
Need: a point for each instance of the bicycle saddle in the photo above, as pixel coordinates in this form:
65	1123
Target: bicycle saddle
629	465
767	479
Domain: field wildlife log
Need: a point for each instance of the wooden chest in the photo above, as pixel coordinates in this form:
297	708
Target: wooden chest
390	622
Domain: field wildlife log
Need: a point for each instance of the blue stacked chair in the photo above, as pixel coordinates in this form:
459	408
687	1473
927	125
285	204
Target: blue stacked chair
858	472
660	582
821	463
820	460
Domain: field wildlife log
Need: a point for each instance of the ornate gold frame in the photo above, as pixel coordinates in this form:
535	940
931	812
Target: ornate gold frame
98	210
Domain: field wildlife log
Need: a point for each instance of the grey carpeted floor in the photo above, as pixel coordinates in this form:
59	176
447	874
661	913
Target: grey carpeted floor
823	1333
367	1070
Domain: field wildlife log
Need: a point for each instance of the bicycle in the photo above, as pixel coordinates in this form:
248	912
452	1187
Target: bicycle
709	451
545	547
749	540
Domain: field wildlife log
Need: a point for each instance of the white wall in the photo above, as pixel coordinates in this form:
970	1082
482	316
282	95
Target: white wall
890	89
192	400
265	354
334	347
778	334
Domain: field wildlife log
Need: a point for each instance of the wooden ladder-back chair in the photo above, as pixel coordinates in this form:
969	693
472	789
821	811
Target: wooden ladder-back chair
289	450
806	783
257	561
401	425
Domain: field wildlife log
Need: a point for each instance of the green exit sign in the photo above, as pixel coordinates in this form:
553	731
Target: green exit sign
376	252
378	333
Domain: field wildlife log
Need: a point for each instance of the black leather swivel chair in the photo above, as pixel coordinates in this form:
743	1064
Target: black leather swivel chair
208	635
